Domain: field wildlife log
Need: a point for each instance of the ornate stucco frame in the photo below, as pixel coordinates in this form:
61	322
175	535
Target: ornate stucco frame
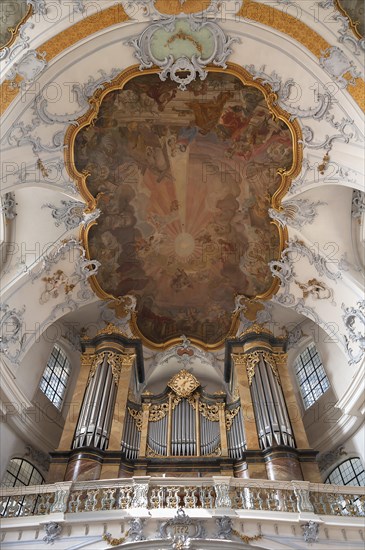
14	31
353	24
91	202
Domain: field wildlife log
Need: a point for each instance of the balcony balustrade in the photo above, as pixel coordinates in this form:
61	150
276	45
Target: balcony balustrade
153	493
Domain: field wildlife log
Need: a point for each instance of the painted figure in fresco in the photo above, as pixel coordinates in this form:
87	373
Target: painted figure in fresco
161	92
208	112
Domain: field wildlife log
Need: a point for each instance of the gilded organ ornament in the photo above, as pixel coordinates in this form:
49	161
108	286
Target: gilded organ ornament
251	360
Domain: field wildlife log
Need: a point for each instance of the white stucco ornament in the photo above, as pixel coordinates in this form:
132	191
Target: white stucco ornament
182	46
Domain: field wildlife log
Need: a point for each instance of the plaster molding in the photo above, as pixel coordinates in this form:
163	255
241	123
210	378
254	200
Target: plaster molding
8	54
310	531
8	206
310	174
354	320
294	337
53	531
12	337
296	212
81	93
70	213
345	33
358	203
184	353
192	65
22	134
328	459
28	68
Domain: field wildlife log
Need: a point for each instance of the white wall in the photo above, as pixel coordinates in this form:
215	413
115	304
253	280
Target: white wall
322	416
38	420
11	445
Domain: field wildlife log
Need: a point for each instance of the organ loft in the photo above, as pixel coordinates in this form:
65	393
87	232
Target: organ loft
243	425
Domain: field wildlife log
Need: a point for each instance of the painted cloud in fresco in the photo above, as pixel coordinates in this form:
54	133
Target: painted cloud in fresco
186	179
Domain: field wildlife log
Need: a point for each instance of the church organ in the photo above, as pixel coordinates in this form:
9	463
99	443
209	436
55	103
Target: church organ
245	428
184	421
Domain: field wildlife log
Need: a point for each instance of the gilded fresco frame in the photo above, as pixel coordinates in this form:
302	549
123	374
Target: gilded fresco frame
353	24
14	31
91	202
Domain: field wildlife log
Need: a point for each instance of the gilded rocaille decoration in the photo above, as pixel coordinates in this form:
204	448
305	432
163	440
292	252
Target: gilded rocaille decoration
255	328
137	416
116	361
246	538
230	415
111	329
183	383
211	412
354	11
114	541
160	410
13	15
251	360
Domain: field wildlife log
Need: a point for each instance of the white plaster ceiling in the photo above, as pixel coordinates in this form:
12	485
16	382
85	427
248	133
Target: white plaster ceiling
28	135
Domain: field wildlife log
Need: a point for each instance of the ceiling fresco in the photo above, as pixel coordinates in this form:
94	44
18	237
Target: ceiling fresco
184	180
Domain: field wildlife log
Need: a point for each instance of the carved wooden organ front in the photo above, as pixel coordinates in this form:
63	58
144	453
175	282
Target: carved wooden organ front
184	421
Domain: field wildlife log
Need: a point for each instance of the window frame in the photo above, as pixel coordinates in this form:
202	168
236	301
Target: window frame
315	368
56	378
19	501
338	466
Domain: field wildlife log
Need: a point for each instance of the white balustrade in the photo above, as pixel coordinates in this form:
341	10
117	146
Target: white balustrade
189	493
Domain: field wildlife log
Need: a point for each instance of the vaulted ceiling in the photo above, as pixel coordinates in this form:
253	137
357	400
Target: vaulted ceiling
65	240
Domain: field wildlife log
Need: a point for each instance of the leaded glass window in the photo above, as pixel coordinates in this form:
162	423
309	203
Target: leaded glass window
55	377
311	376
19	473
349	472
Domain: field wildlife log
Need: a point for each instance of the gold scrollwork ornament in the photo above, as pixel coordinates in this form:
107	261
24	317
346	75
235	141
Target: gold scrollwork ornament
137	416
230	415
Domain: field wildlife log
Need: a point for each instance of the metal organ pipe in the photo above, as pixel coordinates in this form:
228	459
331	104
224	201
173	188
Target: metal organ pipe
96	414
131	438
273	424
236	437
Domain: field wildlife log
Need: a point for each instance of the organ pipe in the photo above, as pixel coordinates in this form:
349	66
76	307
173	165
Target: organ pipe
184	423
95	418
271	415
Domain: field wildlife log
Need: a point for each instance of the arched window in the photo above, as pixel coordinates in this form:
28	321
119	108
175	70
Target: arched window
311	375
21	472
55	377
349	472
